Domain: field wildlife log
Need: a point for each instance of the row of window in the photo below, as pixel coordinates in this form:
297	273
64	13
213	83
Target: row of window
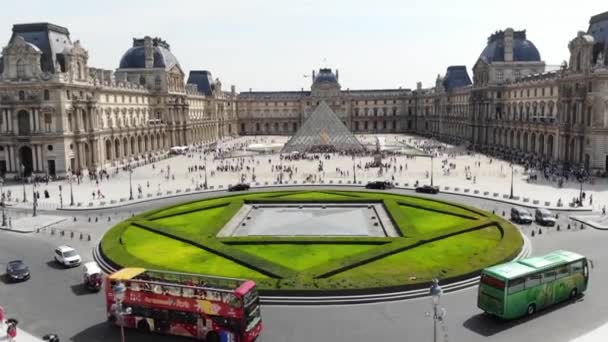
532	280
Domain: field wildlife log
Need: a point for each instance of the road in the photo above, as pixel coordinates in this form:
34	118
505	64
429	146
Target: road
54	301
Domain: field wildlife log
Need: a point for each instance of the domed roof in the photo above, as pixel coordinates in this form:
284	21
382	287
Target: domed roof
135	57
326	76
523	49
456	77
598	27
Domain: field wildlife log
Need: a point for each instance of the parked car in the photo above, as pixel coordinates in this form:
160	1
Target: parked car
17	270
239	187
67	256
520	215
544	217
427	189
382	185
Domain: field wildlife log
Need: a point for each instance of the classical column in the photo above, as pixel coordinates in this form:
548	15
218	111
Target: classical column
9	157
37	119
32	124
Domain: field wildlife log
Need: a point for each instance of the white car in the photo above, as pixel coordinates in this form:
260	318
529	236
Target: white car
67	256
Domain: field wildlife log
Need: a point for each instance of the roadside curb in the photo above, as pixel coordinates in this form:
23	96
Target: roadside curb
329	185
574	218
316	300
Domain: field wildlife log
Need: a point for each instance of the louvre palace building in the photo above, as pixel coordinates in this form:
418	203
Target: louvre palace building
60	115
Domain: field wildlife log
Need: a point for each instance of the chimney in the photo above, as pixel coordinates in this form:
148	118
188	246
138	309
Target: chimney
148	52
313	76
337	74
232	90
508	57
419	85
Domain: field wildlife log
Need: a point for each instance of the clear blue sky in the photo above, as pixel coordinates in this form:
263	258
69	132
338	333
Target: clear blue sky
271	44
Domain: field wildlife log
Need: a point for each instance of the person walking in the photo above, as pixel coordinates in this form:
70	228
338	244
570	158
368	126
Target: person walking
2	314
11	331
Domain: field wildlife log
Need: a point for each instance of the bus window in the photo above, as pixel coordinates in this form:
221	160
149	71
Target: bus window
533	280
576	267
563	271
516	285
183	317
549	276
491	281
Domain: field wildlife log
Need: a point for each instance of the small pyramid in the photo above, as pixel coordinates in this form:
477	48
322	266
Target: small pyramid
323	131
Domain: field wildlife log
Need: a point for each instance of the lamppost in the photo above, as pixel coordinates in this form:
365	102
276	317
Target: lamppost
436	291
354	170
205	166
71	190
432	156
23	175
60	197
130	183
2	202
511	195
35	201
119	291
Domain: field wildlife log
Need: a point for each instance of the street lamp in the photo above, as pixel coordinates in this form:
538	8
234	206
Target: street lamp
119	291
2	202
60	197
436	291
35	201
71	191
354	170
23	173
432	156
205	172
511	195
130	183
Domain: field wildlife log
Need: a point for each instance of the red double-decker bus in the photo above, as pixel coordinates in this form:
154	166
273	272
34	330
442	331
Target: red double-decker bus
215	309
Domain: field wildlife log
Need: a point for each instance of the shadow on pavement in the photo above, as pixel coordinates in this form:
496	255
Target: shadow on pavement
106	331
488	325
81	290
55	265
6	280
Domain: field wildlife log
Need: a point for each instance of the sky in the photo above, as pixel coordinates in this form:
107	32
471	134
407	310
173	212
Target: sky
275	44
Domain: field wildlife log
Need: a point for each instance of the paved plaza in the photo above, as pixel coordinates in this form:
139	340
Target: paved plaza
453	167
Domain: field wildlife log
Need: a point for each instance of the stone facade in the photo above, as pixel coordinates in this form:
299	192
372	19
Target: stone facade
57	114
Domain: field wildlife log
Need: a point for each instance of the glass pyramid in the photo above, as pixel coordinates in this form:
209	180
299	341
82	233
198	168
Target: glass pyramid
323	132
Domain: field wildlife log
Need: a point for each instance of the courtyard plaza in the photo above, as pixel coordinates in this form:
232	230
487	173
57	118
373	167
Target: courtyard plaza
231	162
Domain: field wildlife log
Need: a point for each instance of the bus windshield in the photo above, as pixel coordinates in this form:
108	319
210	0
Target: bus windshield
493	282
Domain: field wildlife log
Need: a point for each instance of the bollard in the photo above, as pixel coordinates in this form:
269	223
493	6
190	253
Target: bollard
558	228
503	213
74	218
540	231
52	231
89	239
568	226
89	219
96	219
63	233
494	211
81	236
582	226
109	218
71	235
556	216
532	233
37	230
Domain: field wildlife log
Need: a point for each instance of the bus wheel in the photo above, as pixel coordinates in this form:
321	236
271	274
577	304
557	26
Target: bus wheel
143	326
573	293
531	309
212	337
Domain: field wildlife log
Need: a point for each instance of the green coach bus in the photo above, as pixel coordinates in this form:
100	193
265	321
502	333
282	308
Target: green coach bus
522	287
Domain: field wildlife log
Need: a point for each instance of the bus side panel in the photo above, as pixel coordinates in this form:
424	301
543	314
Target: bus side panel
516	305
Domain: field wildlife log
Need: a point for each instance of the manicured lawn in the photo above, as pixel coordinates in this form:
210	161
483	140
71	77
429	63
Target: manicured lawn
444	258
159	250
199	222
301	257
425	221
154	240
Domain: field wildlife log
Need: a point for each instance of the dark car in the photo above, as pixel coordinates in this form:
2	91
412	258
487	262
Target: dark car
17	270
239	187
382	185
544	217
521	215
427	189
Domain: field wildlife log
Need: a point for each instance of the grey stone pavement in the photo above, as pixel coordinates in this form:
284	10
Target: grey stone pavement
54	301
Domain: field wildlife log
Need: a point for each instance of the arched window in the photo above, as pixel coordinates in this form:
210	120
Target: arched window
20	69
142	80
